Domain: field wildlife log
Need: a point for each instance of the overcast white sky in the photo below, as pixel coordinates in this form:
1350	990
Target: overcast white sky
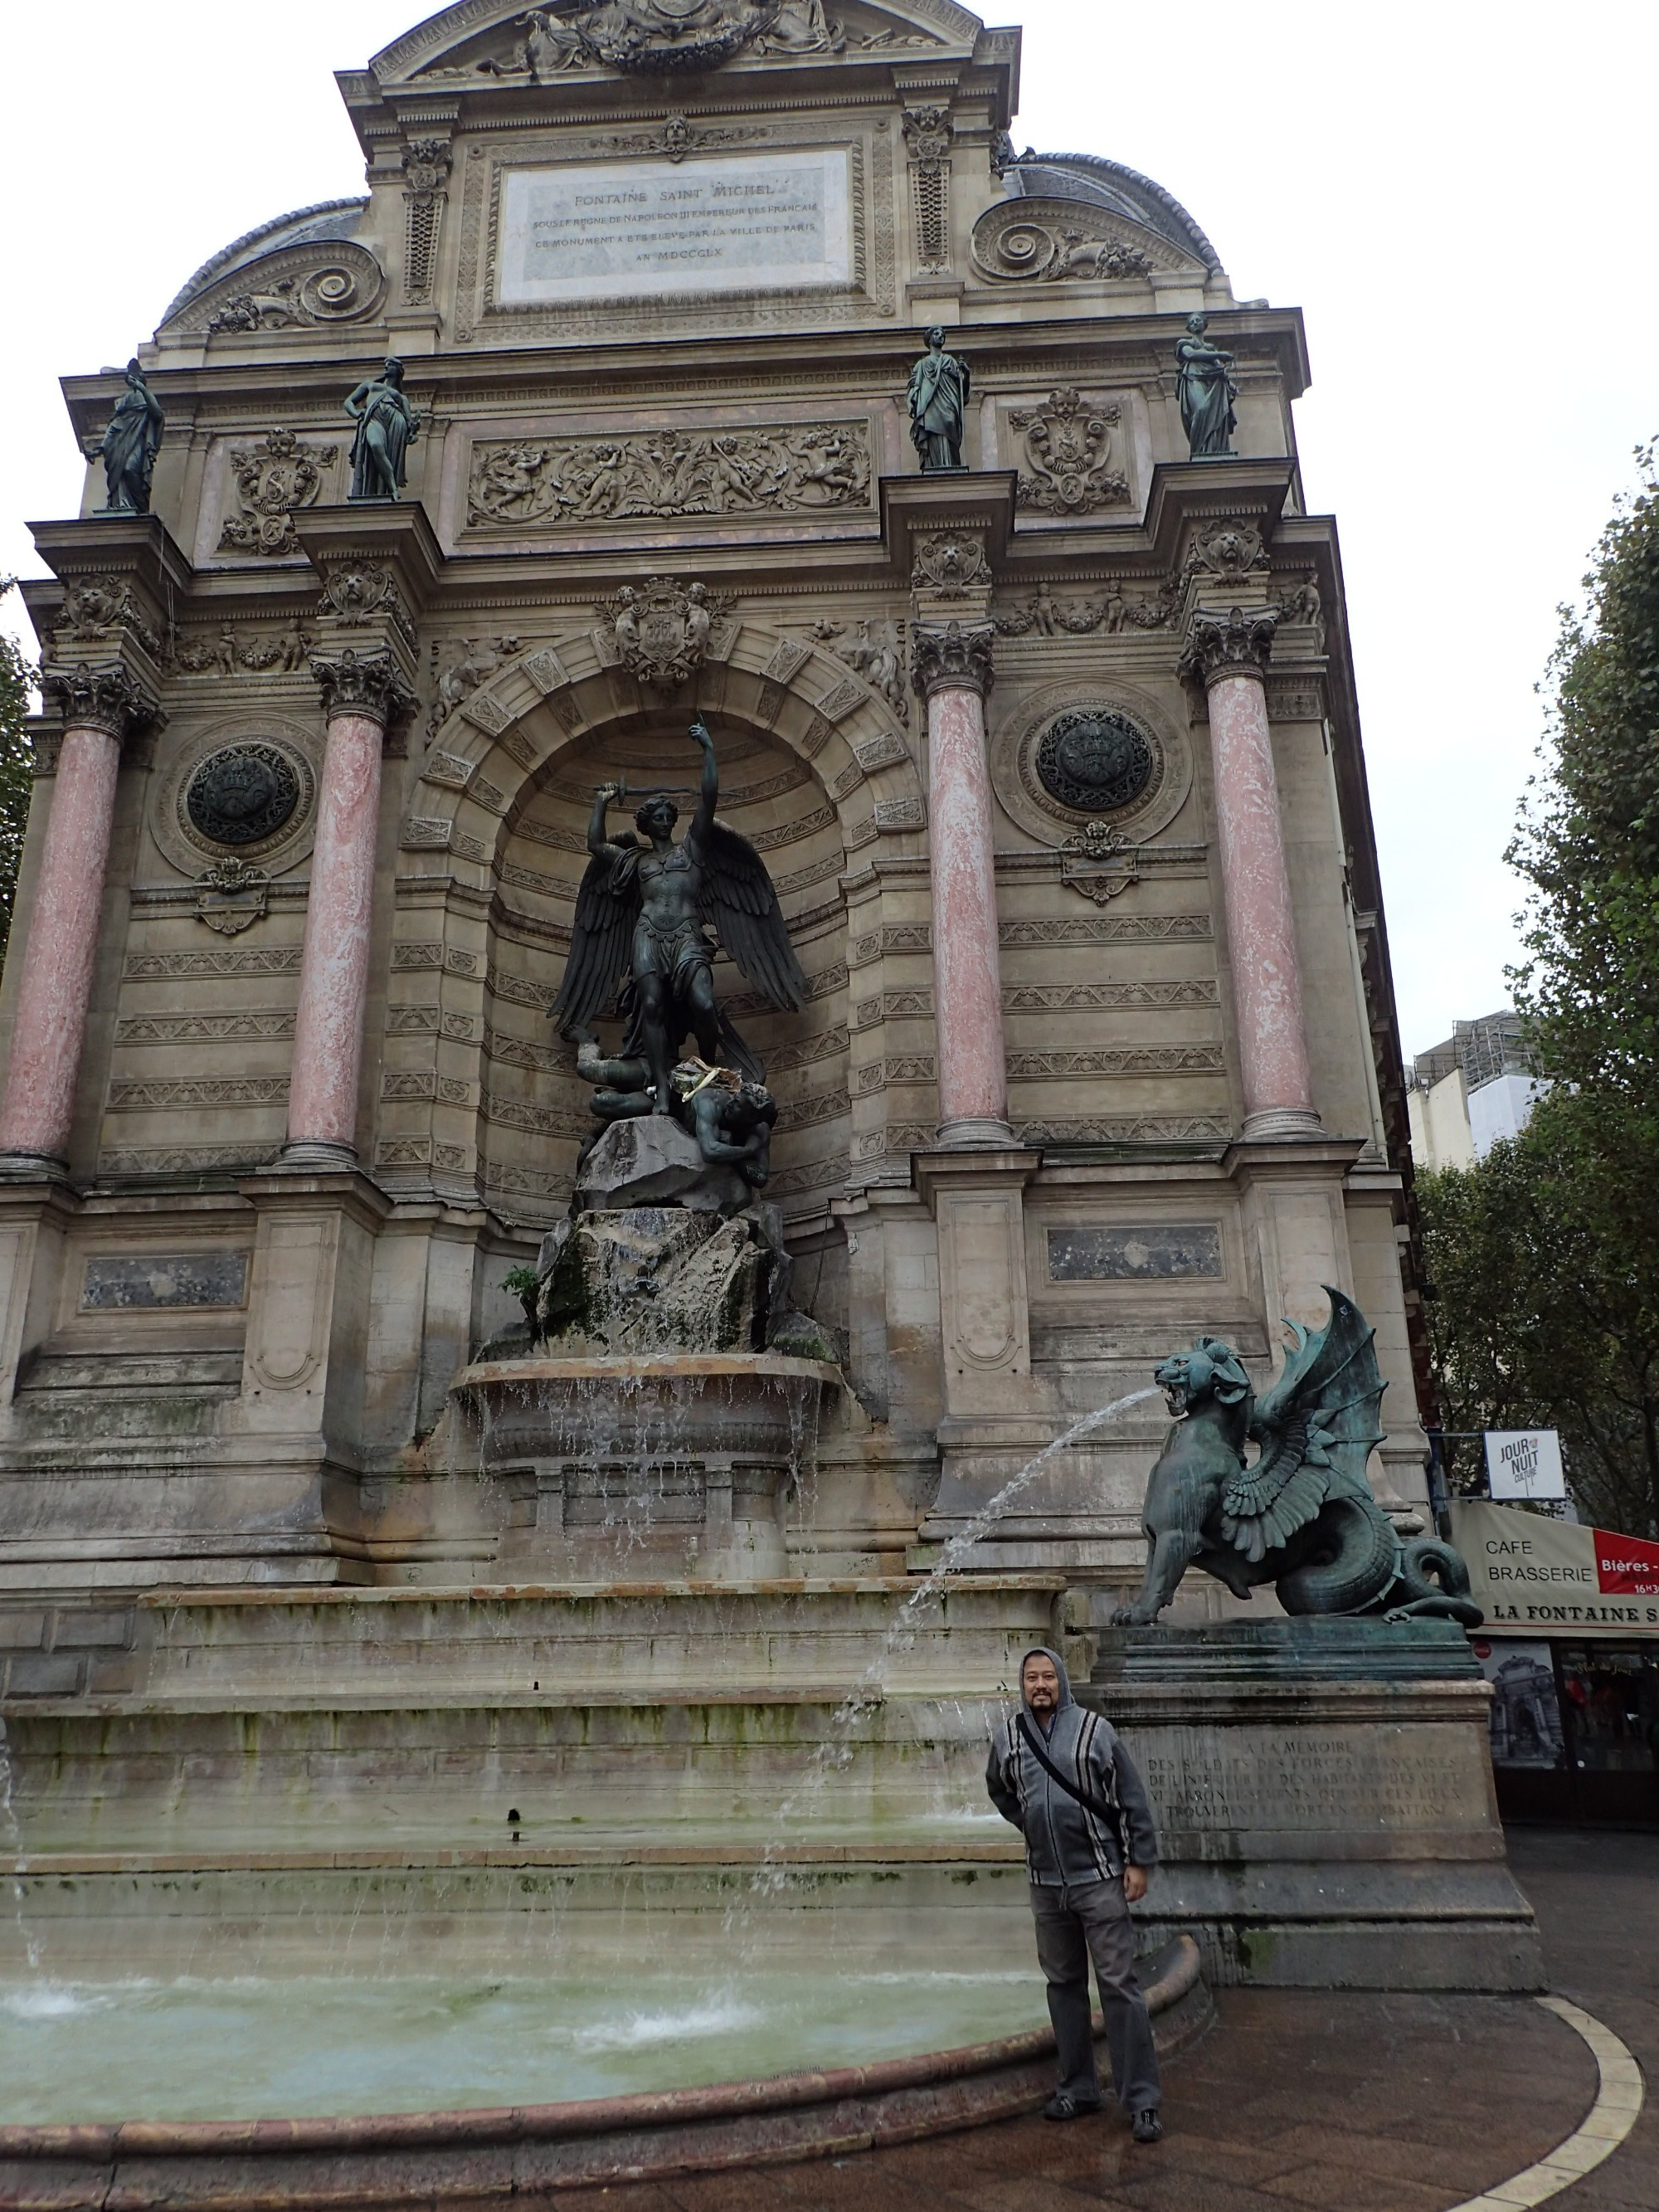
1459	196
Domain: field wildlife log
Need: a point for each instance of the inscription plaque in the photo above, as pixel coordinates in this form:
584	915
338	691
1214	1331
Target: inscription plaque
627	230
1162	1252
115	1282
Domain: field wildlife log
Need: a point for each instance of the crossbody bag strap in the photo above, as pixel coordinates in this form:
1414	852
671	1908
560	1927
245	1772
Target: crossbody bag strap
1108	1813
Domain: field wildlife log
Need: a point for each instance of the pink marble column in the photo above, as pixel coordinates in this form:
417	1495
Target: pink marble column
1229	651
99	706
360	695
953	671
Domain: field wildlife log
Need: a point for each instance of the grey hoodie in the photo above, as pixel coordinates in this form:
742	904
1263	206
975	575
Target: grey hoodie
1064	1844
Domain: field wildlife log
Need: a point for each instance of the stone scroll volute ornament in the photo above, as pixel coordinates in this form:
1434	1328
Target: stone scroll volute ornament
129	447
1301	1515
649	916
1208	390
387	425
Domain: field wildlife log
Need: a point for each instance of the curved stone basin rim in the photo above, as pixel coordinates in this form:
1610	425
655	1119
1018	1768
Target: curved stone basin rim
1173	1975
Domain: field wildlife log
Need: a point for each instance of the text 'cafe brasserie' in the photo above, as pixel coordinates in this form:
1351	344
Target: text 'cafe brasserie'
1571	1646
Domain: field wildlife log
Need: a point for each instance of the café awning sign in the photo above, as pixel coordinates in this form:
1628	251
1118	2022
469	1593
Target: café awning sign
1535	1577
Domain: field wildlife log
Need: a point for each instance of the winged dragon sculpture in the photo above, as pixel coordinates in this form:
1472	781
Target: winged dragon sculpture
651	915
1301	1515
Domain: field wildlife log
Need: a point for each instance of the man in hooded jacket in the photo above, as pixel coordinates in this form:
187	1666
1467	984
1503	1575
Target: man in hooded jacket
1061	1775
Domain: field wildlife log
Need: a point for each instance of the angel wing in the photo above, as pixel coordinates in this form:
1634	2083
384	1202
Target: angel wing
1317	1426
741	906
601	937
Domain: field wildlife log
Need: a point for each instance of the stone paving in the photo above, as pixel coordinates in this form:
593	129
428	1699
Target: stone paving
1340	2103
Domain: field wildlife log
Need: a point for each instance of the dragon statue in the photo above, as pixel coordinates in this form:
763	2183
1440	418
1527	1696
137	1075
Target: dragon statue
1301	1515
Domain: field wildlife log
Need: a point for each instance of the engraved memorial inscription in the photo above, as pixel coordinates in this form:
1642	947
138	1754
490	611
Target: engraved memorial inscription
613	230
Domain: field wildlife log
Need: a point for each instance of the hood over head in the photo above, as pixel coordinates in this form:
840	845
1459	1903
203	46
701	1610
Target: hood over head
1042	1651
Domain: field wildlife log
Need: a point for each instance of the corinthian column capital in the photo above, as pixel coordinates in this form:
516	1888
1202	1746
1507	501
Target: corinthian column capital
368	683
101	695
1229	642
951	652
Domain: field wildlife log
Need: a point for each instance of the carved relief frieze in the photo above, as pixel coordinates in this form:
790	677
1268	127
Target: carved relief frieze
233	652
1120	1059
1068	448
779	469
674	137
643	37
453	682
1043	615
273	480
874	650
1129	1129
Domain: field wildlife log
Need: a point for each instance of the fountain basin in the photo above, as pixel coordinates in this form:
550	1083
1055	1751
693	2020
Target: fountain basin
633	1467
492	2155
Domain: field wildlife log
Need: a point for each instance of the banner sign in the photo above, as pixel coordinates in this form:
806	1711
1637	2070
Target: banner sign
1524	1463
1530	1575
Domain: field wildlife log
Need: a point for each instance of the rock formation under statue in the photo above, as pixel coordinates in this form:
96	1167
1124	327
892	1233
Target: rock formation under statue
1302	1516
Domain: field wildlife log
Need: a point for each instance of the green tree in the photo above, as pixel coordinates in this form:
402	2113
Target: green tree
1588	842
16	773
1543	1260
1542	1268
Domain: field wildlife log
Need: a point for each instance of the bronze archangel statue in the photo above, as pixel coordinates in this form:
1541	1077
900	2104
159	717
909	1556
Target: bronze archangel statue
650	916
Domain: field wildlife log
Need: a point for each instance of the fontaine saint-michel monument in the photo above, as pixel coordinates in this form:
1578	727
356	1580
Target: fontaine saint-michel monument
701	866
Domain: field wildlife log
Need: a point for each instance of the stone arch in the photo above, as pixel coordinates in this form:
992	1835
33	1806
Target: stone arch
501	794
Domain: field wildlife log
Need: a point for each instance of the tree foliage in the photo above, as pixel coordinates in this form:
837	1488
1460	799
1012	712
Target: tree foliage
17	774
1543	1260
1542	1265
1588	842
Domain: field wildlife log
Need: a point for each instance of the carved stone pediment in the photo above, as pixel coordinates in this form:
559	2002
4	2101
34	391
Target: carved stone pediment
299	287
1046	241
481	38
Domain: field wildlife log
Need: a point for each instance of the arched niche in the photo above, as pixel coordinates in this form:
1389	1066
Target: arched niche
817	769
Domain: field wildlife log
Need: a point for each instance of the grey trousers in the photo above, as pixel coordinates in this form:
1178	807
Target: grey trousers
1090	1919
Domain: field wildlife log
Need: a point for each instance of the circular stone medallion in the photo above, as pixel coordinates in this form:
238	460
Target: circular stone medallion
1094	760
243	795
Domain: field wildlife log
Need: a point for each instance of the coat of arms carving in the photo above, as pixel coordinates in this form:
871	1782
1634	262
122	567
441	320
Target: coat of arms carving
1068	444
662	632
274	480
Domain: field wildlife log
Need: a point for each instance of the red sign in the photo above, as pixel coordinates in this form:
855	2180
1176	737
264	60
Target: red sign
1624	1565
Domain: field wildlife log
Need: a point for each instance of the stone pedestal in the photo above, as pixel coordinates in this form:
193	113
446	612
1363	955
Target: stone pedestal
1324	1802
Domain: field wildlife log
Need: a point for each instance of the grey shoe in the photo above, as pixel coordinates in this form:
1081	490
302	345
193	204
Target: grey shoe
1148	2127
1063	2105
